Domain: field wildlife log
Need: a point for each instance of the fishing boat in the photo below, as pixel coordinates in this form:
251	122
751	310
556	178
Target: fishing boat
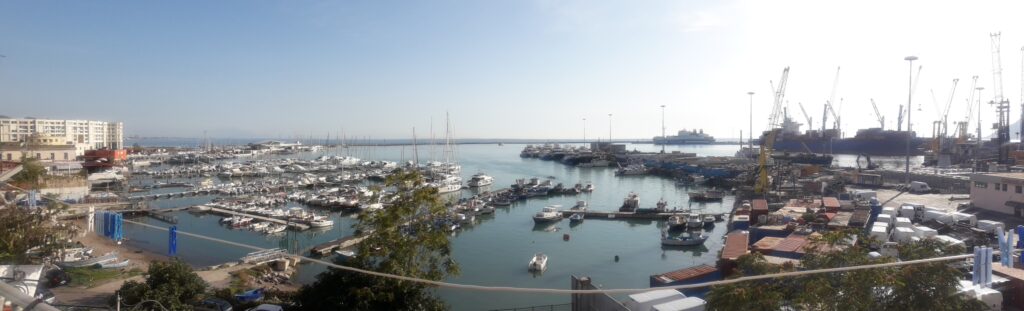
548	214
580	206
589	187
227	220
538	263
112	265
684	239
709	220
480	180
630	203
677	222
576	218
694	221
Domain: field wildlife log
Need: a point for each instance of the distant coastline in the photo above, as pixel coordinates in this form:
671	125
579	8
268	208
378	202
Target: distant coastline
195	142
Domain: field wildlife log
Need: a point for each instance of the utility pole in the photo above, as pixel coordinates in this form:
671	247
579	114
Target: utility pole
584	132
750	131
910	93
663	129
980	88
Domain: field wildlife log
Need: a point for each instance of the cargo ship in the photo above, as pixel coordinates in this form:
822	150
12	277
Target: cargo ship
685	137
871	141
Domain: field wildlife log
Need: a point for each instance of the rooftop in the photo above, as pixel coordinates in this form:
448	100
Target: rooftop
1004	175
685	273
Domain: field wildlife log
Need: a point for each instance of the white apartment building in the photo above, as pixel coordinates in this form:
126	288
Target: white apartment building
999	192
85	135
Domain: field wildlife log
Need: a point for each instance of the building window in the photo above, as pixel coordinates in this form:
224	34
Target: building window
1018	189
1004	187
52	156
980	184
38	156
66	158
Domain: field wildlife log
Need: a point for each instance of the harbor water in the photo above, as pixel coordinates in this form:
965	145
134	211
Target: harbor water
496	249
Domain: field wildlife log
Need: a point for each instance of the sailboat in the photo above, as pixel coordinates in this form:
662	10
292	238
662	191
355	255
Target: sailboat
447	177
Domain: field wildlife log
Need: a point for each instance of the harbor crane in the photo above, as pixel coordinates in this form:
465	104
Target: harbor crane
828	105
762	185
941	125
806	116
1001	104
961	126
878	115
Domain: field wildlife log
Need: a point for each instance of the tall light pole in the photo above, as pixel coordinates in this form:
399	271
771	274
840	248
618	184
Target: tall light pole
584	132
910	93
750	131
609	128
979	117
663	129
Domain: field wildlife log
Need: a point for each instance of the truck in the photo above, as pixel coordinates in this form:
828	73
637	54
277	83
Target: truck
919	187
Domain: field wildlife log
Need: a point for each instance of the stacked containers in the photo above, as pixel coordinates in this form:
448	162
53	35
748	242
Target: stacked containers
903	222
902	234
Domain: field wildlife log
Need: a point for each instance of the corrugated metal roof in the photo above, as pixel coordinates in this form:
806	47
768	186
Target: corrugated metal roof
830	202
759	204
792	243
686	273
766	244
735	245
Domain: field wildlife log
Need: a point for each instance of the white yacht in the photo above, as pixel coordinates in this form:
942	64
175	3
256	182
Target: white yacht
580	206
548	214
480	180
538	263
449	184
695	221
321	222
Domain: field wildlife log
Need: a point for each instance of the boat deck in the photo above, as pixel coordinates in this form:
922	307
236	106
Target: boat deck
292	224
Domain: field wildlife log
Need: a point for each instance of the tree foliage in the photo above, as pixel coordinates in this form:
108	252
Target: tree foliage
22	229
31	175
403	241
173	284
929	286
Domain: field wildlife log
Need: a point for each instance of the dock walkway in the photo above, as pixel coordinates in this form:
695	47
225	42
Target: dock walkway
273	220
342	243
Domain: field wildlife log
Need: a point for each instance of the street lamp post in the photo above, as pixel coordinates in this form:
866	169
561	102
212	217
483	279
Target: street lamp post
910	89
663	129
750	131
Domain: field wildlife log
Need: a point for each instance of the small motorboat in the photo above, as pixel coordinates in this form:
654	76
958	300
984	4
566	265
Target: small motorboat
576	218
112	265
345	254
548	214
539	263
684	239
580	206
677	222
694	221
320	223
709	220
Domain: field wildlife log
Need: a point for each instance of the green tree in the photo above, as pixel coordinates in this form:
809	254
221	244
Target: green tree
402	239
23	229
930	286
31	175
173	284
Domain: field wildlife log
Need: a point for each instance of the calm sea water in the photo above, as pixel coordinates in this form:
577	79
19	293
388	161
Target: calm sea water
496	250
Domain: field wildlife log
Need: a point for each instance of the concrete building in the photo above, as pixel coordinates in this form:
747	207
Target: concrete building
81	134
998	192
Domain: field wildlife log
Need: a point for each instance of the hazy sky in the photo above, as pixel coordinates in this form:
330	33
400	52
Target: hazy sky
502	69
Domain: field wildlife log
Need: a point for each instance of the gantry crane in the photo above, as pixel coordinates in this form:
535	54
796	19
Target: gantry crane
762	186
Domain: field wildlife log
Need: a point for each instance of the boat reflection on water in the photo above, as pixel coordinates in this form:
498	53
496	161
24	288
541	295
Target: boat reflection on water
547	227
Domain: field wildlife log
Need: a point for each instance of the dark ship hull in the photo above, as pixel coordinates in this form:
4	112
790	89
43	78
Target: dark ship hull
874	142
